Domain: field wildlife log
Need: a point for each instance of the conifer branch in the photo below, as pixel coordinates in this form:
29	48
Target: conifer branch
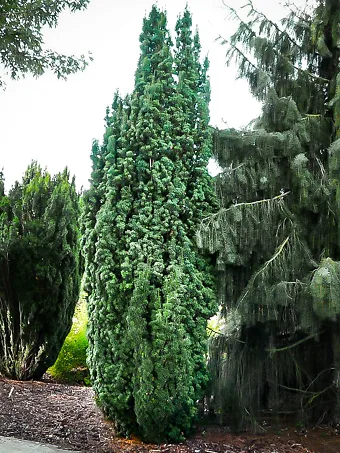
300	70
293	389
250	203
309	337
312	76
277	53
214	331
263	268
259	13
222	334
265	200
306	19
306	392
277	253
273	24
234	47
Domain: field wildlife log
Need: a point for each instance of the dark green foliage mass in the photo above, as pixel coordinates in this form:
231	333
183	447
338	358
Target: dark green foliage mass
39	273
151	292
21	44
276	234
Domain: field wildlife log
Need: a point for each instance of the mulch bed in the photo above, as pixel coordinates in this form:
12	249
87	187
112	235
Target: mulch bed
66	415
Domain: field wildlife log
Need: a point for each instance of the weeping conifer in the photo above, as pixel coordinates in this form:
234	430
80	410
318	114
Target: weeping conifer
150	291
40	271
276	234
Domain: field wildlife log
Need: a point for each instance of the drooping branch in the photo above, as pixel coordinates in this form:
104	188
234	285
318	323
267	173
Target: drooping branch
251	203
291	346
260	14
251	34
267	263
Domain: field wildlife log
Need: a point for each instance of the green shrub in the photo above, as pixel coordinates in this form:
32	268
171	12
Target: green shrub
70	365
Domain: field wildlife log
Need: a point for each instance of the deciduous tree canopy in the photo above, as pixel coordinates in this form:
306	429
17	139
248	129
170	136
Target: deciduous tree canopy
21	41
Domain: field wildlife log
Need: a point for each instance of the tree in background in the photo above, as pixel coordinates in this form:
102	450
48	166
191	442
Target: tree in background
150	291
40	272
277	231
70	365
21	43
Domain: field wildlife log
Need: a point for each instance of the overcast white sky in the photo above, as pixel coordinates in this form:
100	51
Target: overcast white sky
54	122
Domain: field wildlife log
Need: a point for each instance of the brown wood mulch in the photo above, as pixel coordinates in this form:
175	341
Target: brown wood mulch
66	415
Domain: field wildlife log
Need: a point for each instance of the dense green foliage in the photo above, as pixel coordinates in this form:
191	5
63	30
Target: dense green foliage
21	43
70	365
150	291
276	234
40	272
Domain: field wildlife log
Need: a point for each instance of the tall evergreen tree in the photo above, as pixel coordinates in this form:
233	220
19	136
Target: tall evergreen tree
277	231
151	292
40	274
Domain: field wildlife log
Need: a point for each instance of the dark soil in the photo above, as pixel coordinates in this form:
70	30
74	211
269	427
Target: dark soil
67	416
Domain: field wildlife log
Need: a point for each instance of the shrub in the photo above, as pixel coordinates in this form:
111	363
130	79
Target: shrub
40	270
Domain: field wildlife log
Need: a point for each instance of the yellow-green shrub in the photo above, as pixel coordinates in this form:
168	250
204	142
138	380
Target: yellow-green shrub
70	365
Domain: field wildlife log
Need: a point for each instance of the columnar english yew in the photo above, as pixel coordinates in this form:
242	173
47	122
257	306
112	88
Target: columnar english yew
150	290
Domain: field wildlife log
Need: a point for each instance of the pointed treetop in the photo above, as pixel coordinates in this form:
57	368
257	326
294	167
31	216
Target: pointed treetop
155	44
